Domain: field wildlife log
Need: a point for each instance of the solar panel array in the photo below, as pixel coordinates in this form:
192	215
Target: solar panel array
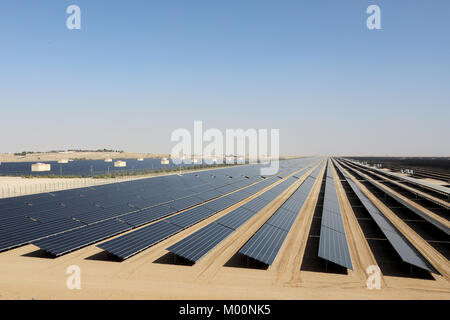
333	242
267	241
413	208
132	243
404	248
30	218
442	189
196	245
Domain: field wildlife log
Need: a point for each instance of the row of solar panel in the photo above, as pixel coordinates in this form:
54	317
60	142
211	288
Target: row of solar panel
418	182
51	244
265	244
404	248
333	243
23	231
199	243
132	243
183	219
166	182
410	206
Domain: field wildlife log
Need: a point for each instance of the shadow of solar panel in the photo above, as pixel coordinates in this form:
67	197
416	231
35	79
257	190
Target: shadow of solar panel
220	204
191	216
196	245
132	243
147	215
236	218
18	237
333	247
185	203
72	240
265	244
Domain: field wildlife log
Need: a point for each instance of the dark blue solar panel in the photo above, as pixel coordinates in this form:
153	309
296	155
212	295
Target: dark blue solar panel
282	219
134	242
201	242
191	216
404	248
79	238
333	243
265	245
147	215
185	203
236	218
18	237
256	204
102	214
208	195
220	203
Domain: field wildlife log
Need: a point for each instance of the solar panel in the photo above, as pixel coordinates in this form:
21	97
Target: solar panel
413	208
283	219
220	204
199	243
69	241
184	203
191	216
208	195
333	243
239	195
404	248
141	239
21	236
333	247
236	218
195	246
147	215
102	214
265	244
256	204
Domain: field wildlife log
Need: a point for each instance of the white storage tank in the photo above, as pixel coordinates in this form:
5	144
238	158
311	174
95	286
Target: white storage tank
40	167
120	164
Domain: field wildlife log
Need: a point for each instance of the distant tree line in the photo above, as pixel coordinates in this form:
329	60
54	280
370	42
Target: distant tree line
24	153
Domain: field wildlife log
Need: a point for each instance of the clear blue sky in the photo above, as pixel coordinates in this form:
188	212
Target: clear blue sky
137	70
